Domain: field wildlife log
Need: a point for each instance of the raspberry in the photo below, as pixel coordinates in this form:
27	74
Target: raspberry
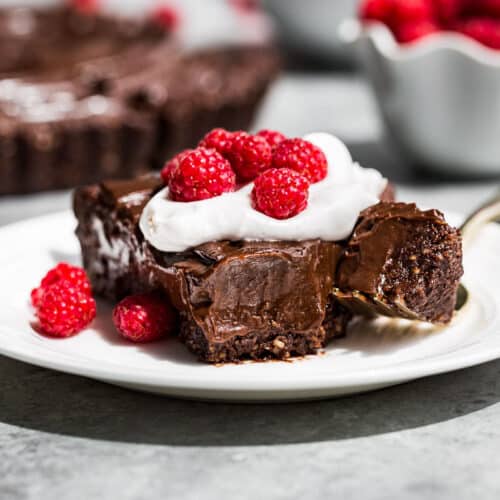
484	30
250	155
144	317
303	157
169	167
487	8
272	137
85	6
280	193
411	11
448	11
201	174
64	309
377	10
411	20
62	272
411	32
219	139
166	17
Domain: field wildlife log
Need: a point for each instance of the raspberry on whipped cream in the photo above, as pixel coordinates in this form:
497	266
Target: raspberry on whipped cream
219	139
250	155
280	193
171	165
303	157
201	174
334	205
273	137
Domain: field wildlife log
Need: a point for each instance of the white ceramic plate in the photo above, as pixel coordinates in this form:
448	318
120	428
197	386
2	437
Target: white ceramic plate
374	355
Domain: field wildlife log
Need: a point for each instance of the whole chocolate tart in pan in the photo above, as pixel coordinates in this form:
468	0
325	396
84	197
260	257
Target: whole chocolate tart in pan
86	96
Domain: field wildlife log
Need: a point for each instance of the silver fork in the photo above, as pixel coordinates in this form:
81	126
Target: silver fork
489	212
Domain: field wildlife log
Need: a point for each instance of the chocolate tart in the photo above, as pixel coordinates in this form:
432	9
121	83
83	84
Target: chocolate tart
91	97
240	300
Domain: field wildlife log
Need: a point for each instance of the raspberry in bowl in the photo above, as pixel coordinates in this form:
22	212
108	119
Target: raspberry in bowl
434	66
411	20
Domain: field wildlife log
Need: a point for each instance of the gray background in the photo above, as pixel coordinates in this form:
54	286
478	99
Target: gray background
68	437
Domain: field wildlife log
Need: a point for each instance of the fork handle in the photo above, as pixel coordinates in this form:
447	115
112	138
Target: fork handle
489	212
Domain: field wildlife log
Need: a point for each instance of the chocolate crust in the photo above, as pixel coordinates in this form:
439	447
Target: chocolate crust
120	100
253	346
270	344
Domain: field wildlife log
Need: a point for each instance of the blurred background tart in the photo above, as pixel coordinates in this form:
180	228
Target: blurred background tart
88	92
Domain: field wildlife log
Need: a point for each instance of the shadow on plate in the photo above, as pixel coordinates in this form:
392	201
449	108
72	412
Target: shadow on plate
53	402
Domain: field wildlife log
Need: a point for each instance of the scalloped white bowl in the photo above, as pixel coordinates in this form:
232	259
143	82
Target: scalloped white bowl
440	96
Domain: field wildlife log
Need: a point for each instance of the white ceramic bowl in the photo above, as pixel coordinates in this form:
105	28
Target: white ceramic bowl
313	26
440	96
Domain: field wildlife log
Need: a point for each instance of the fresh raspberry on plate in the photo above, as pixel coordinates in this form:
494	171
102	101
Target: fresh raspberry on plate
64	309
484	30
280	193
166	171
411	32
62	272
201	174
144	317
377	10
166	16
219	139
303	157
272	137
250	155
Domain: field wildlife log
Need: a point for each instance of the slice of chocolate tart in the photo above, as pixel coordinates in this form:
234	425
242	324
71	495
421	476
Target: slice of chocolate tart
256	300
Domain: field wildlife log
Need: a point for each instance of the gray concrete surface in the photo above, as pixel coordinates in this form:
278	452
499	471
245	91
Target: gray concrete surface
68	437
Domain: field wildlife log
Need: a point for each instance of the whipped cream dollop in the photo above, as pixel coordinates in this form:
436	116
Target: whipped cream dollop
333	209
